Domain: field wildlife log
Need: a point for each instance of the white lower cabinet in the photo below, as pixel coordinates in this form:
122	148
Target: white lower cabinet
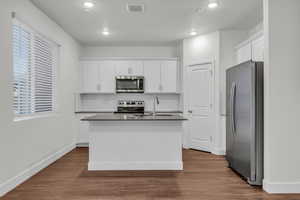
82	138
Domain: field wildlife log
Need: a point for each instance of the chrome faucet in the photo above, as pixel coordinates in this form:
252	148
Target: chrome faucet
155	103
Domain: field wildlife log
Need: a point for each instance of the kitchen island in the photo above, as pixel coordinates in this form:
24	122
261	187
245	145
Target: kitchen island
135	142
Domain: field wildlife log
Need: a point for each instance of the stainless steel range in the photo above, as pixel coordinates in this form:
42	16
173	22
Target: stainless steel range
128	106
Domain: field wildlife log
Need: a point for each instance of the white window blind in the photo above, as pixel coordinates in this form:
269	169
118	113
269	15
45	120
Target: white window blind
34	67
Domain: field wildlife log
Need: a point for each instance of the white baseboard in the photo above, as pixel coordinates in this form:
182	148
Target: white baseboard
281	187
135	166
13	182
82	144
218	151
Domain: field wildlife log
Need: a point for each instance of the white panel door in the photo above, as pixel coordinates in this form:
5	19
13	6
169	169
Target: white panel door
169	77
89	77
129	68
201	106
152	74
107	77
258	49
244	53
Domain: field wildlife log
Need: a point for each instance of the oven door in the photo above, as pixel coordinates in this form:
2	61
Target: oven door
129	85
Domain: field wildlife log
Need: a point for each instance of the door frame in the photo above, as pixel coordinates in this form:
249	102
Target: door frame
216	143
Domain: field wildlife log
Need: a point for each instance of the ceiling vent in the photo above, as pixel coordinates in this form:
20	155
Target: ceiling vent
135	8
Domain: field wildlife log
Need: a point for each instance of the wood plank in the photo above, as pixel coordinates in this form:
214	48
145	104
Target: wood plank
206	177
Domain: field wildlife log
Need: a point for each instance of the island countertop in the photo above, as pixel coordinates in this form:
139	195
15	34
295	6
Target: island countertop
134	117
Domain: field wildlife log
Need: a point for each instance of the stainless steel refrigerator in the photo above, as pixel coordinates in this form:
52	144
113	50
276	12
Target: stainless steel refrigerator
244	123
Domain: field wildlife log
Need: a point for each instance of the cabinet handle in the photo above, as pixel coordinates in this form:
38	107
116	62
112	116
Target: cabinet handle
129	70
99	87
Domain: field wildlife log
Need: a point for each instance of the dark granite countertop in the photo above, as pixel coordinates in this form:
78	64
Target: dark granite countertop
135	117
92	112
100	112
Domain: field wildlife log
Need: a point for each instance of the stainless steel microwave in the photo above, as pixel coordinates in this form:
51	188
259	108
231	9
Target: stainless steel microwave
130	84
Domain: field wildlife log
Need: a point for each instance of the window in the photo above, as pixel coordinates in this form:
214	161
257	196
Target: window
34	71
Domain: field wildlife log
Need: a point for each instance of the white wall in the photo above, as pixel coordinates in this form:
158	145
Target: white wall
228	41
24	143
220	47
129	51
282	96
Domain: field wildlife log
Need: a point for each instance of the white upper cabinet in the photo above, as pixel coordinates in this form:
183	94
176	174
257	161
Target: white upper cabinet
152	73
244	53
169	76
106	77
89	77
161	76
252	49
258	49
129	68
97	77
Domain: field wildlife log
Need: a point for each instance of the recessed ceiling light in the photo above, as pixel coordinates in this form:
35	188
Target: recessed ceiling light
213	4
105	32
88	4
193	33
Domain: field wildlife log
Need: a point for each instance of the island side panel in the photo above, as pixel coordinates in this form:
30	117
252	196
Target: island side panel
135	145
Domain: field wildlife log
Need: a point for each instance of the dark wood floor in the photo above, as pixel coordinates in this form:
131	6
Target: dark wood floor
206	177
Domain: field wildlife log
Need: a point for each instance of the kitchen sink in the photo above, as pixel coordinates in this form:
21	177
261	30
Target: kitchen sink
157	114
166	115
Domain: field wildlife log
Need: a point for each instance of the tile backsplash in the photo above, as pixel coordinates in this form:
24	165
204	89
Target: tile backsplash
108	102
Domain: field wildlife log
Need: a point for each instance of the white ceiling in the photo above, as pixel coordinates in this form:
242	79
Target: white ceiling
164	21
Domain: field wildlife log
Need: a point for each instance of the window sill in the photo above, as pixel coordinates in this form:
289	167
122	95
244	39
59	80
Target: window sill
36	116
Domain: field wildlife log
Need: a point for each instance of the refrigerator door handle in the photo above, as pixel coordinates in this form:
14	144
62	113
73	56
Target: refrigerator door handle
232	103
233	109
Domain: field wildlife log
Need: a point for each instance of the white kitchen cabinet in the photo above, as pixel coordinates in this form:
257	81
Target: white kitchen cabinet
129	68
169	77
252	49
152	73
244	53
89	77
258	49
161	76
82	137
106	77
97	77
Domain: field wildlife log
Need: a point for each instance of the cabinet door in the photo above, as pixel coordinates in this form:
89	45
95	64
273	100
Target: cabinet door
258	50
129	68
244	53
89	77
152	72
83	135
169	77
106	77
